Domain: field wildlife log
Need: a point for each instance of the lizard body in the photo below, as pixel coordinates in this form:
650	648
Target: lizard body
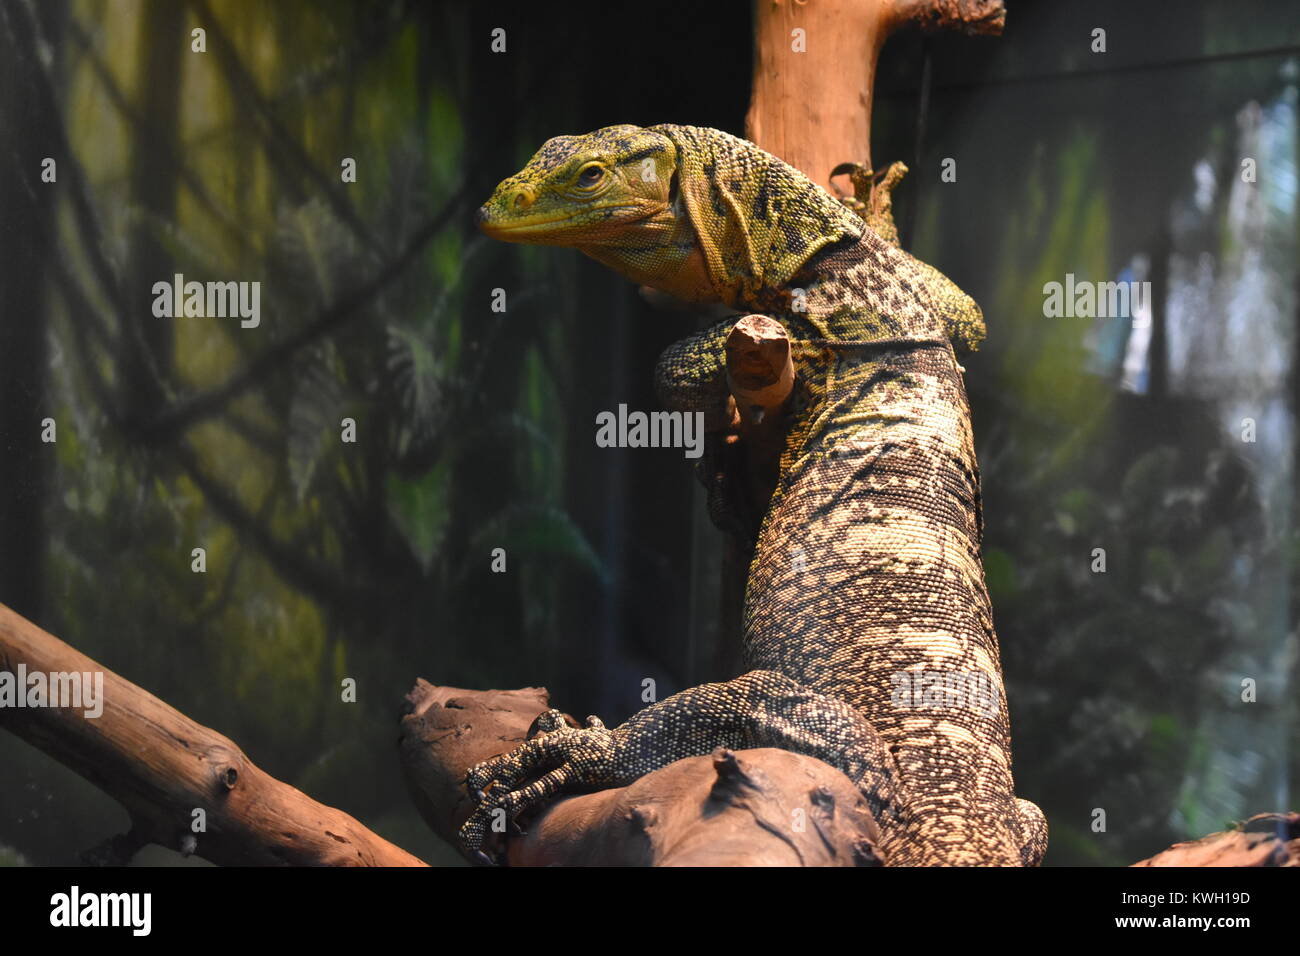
867	622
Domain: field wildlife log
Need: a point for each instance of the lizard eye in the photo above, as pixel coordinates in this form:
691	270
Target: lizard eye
591	176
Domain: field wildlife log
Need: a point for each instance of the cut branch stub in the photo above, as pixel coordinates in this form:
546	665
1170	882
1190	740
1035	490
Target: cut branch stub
760	370
972	17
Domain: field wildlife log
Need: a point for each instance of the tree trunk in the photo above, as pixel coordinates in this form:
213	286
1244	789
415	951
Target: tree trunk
815	71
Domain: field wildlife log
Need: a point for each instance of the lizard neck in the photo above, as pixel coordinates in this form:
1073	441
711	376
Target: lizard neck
756	220
665	256
864	290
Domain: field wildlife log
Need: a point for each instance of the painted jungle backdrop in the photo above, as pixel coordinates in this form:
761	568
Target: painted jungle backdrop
1158	689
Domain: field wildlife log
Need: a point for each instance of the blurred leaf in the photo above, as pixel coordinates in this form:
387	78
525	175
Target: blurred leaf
1148	479
1000	575
314	255
11	857
541	531
413	368
1160	572
315	413
419	510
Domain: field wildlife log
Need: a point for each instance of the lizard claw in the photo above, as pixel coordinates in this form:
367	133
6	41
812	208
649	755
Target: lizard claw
558	759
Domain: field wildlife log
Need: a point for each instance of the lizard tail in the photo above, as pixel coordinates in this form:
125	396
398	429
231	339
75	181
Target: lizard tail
1033	829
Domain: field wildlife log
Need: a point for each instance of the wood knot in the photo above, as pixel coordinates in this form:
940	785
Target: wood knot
643	818
823	800
728	767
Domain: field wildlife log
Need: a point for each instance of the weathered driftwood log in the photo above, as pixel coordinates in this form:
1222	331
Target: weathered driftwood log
745	808
734	808
161	767
1267	839
760	375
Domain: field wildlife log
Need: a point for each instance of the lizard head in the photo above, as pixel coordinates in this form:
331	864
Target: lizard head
612	194
693	212
583	190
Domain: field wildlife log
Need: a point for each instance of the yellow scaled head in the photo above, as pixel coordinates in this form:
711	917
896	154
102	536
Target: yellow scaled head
584	190
693	212
612	194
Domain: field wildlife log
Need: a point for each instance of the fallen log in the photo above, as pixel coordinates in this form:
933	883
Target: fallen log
760	807
163	767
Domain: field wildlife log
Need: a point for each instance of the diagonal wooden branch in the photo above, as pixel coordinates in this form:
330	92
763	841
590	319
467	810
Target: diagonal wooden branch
162	767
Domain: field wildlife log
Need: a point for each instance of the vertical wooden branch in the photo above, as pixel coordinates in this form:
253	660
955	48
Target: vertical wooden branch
814	80
815	71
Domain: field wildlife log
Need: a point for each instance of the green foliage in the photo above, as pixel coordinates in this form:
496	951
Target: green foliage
419	509
540	531
325	560
370	561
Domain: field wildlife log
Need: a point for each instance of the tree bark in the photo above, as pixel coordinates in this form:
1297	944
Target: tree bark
813	90
1266	839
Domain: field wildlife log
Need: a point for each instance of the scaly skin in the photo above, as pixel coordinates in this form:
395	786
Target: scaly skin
866	573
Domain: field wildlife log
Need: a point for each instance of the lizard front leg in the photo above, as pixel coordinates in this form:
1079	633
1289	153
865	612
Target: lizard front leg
691	376
759	709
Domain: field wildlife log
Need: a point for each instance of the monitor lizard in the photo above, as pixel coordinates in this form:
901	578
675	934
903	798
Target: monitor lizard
868	627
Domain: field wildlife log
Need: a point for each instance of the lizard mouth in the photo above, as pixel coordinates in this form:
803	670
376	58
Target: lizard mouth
555	223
